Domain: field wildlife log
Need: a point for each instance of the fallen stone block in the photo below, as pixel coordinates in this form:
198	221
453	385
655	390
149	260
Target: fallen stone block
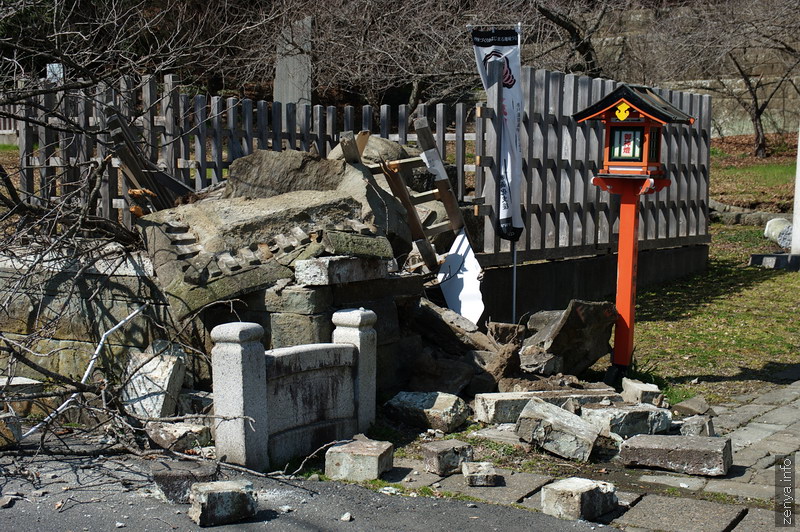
698	426
505	407
324	271
175	479
359	460
12	386
223	502
556	430
444	457
569	341
693	455
156	377
436	410
635	391
479	474
691	407
627	419
10	430
578	498
179	437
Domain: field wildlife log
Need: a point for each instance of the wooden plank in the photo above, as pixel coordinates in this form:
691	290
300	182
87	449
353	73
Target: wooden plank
169	134
526	146
402	124
348	118
361	141
332	130
366	118
149	107
217	155
277	126
109	188
480	151
569	131
347	141
262	124
25	139
461	116
232	131
48	141
305	127
291	126
200	138
70	177
494	100
319	129
583	150
184	134
248	133
441	129
704	121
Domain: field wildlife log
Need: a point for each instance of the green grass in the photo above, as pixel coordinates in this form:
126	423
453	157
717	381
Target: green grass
8	147
767	186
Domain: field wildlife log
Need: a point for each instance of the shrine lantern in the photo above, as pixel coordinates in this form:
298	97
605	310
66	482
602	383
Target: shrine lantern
633	118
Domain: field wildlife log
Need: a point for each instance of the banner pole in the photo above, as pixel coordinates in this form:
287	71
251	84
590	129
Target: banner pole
514	283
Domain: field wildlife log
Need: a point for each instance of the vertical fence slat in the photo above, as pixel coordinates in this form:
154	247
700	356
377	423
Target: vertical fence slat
184	142
232	132
526	142
366	118
704	123
319	129
169	135
480	147
332	136
217	155
305	127
386	120
247	126
262	125
349	118
441	130
25	140
200	139
461	147
47	147
291	126
109	184
277	126
149	103
402	124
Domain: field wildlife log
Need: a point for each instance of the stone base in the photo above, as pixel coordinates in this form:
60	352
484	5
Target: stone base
776	261
359	460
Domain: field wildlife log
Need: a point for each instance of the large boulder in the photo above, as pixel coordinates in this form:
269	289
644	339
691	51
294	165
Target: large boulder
568	341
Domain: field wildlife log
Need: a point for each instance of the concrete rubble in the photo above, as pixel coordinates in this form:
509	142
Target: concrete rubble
693	455
444	457
556	430
442	411
479	474
697	405
635	391
155	378
627	419
578	498
698	426
174	479
359	460
179	437
222	502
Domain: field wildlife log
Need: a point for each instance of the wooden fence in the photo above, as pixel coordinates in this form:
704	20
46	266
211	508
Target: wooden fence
196	139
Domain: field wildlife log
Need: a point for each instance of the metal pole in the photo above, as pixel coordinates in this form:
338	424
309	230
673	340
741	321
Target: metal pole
795	248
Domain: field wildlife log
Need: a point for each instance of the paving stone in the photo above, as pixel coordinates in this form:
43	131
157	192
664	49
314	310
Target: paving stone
779	396
756	519
752	433
556	430
739	416
739	473
687	483
740	489
174	479
698	426
694	455
778	444
679	515
410	473
479	474
534	502
578	498
628	498
511	488
784	415
627	419
359	460
635	391
444	457
219	503
503	433
436	410
748	456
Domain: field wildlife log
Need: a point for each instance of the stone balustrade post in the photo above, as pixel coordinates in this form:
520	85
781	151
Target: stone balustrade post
356	326
240	390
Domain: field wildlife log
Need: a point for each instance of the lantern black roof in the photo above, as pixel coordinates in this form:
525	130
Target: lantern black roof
643	99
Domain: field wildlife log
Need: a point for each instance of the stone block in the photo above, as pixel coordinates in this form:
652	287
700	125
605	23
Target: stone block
359	460
179	437
635	391
10	430
156	378
698	426
556	430
505	407
578	498
298	300
693	455
627	419
23	385
357	245
436	410
444	457
479	474
223	502
325	271
691	407
289	329
392	286
175	479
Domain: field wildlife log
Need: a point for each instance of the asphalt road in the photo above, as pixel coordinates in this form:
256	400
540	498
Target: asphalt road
70	493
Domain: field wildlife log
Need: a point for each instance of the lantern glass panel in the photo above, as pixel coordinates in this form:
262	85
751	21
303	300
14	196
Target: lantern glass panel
626	144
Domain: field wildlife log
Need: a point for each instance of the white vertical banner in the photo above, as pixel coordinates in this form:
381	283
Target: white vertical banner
496	44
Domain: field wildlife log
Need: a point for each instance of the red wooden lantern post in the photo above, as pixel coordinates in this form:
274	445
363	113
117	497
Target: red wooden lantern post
633	118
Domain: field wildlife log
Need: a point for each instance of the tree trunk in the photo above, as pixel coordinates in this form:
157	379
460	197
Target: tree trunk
759	139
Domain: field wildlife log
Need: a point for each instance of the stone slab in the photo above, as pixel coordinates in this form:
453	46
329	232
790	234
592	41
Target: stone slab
779	396
219	503
512	487
694	455
784	415
627	419
752	433
657	512
636	391
691	407
556	430
410	473
325	271
744	490
445	457
739	416
687	483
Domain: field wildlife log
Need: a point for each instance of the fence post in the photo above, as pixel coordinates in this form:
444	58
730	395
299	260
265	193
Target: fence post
355	326
240	390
